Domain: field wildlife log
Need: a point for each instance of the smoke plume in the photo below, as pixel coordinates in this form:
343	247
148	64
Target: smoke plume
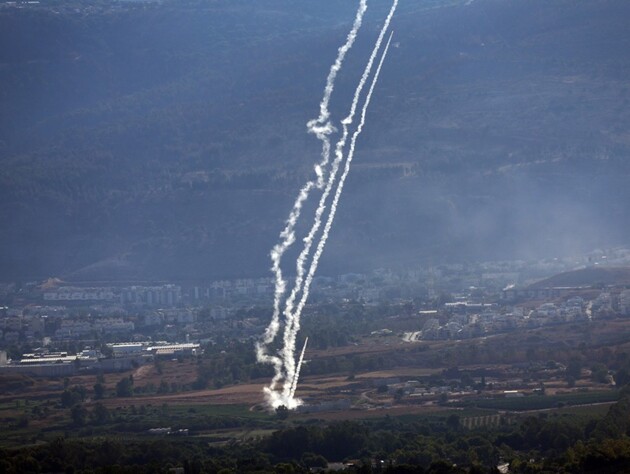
284	363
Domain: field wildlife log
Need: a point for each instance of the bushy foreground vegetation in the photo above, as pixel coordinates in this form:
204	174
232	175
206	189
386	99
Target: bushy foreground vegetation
561	442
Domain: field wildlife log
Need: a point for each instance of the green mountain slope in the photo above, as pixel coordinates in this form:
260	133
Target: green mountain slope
168	140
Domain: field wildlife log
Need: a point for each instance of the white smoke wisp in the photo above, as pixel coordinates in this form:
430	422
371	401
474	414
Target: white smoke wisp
321	127
331	215
293	317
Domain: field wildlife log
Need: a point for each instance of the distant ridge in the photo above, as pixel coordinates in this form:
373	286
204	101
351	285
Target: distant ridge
587	277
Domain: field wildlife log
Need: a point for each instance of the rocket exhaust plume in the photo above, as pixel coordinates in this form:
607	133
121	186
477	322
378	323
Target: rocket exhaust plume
322	242
321	127
284	363
293	317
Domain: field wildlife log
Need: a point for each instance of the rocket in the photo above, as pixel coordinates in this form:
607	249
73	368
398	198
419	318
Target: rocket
297	372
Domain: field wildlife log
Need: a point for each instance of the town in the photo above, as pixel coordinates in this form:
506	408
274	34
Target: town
59	328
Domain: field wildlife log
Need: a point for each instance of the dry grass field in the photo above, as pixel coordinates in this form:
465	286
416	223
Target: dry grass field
359	388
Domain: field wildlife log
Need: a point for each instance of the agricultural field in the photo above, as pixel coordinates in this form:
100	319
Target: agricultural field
372	378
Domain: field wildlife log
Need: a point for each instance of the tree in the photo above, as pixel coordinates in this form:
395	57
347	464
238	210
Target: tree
311	460
599	373
124	388
99	391
100	414
290	443
282	412
164	387
78	414
284	468
574	368
343	439
453	422
622	377
193	467
22	422
70	397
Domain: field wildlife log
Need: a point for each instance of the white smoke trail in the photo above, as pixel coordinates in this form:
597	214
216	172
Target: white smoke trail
299	367
315	125
321	127
338	158
293	317
331	216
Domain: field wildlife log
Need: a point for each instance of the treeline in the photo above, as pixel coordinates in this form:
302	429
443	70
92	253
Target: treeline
560	443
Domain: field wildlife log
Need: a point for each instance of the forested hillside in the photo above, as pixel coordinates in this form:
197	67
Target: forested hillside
145	140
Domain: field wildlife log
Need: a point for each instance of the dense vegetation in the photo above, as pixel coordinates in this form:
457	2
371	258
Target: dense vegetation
570	442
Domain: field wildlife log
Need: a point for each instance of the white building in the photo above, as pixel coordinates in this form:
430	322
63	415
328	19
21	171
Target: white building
126	349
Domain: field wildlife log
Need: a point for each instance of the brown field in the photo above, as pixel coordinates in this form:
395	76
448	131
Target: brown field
609	333
243	394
